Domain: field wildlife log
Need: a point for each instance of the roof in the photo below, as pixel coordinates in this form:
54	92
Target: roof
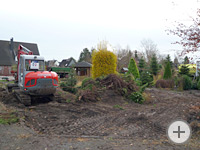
66	62
83	64
125	69
6	55
51	63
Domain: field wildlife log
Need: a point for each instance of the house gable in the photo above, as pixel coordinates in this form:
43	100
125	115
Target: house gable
7	56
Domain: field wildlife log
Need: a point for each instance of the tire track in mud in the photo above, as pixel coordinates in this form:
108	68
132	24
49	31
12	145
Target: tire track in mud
125	123
101	119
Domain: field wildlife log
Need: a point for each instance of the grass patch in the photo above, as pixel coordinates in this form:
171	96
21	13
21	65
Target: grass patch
118	106
8	118
3	81
68	101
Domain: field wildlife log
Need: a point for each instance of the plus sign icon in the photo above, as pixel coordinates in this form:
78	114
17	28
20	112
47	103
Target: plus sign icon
179	132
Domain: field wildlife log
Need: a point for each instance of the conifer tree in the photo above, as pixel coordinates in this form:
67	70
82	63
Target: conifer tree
168	71
184	70
132	68
154	65
141	64
168	59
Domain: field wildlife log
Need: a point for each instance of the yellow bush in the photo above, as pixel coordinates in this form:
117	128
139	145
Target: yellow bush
104	62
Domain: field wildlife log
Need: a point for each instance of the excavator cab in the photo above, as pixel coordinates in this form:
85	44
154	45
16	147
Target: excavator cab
32	78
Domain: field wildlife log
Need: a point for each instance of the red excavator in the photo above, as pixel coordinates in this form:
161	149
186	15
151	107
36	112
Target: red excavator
31	79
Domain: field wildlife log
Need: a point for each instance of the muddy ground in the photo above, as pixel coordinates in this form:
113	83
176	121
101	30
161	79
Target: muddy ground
109	124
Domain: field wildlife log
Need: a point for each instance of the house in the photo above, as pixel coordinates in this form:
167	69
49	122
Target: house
83	68
70	62
8	52
124	70
52	63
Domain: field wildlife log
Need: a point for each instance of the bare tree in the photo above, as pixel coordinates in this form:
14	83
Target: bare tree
149	48
189	36
123	56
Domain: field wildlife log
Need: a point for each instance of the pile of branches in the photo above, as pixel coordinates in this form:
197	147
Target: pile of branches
111	82
115	82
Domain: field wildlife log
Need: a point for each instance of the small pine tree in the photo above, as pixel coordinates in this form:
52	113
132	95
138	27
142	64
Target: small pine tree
168	71
146	77
104	62
141	64
132	68
154	65
168	59
71	80
184	70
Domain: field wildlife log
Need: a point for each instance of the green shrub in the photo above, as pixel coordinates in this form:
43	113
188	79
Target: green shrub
146	77
132	69
141	64
138	82
143	87
184	70
154	65
85	81
187	82
198	85
194	85
70	89
62	84
136	97
128	77
168	71
71	80
88	86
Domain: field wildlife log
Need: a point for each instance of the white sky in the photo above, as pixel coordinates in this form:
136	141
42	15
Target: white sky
63	28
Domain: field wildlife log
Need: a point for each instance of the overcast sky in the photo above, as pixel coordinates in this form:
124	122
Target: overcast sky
63	28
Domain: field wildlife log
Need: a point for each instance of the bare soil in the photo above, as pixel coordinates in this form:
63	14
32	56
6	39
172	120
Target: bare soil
108	124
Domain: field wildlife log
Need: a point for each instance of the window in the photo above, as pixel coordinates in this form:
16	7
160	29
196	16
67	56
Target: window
34	65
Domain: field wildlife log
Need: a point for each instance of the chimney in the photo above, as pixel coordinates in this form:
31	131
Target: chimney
12	47
11	44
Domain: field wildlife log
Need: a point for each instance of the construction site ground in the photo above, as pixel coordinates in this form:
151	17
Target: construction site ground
112	123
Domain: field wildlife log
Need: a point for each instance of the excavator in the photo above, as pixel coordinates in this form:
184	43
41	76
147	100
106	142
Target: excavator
31	79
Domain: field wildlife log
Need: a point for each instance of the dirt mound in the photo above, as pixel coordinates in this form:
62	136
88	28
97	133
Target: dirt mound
10	99
89	96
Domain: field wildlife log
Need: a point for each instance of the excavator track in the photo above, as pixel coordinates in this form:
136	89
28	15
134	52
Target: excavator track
57	98
23	98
